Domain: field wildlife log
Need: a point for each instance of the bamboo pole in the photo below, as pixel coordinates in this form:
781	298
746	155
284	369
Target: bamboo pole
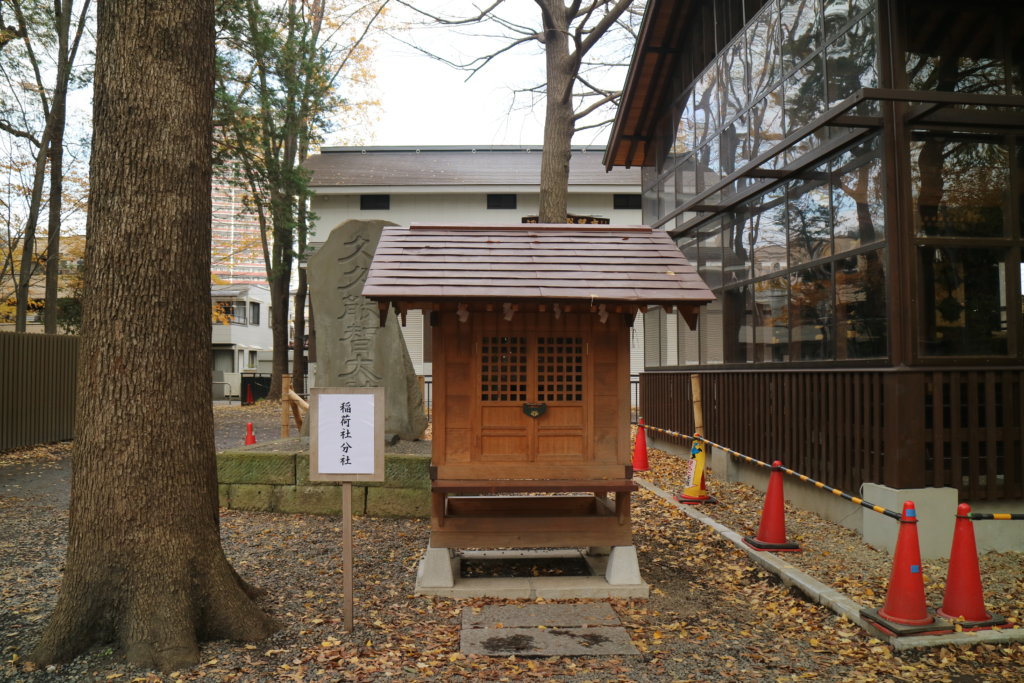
286	388
698	408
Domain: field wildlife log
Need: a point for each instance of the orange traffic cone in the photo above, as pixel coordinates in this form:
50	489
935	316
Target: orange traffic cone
771	534
248	395
640	448
905	611
250	437
963	598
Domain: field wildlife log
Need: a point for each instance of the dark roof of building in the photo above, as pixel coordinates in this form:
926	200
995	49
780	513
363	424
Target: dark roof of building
599	264
412	166
673	32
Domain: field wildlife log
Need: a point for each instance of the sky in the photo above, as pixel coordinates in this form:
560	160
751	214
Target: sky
425	102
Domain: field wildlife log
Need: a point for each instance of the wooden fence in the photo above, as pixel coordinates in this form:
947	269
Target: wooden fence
904	428
37	388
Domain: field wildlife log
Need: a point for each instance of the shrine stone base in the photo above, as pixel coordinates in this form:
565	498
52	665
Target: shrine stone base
614	573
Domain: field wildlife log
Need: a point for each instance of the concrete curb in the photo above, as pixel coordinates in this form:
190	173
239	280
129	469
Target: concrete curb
829	597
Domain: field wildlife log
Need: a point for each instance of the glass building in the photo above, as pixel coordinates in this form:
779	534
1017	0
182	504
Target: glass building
848	177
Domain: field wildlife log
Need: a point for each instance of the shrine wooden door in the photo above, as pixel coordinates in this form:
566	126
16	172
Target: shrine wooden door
532	396
537	396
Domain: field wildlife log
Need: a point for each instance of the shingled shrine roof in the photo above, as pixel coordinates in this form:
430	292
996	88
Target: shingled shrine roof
600	264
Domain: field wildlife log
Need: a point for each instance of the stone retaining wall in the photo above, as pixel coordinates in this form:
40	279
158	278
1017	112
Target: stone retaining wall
274	477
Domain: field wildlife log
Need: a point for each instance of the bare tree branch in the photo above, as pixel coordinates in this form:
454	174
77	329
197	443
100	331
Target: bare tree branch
592	108
17	132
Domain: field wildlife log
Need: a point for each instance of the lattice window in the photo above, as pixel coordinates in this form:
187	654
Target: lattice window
559	369
503	369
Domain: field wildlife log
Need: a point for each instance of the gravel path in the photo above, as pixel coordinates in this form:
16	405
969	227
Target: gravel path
712	616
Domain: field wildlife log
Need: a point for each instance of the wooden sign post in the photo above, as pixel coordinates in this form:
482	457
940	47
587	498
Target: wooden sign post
346	444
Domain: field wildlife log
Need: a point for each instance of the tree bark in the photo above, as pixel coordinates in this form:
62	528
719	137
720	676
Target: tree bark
558	115
53	236
145	568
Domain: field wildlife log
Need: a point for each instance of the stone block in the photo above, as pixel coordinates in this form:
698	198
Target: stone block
254	467
405	471
302	472
436	569
255	497
223	497
936	515
623	566
397	502
318	500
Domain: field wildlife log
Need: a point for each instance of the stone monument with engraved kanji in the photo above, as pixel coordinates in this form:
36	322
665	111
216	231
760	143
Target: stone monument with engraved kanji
353	349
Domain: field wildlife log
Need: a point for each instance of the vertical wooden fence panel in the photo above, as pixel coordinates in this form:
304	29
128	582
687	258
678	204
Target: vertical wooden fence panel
37	388
902	428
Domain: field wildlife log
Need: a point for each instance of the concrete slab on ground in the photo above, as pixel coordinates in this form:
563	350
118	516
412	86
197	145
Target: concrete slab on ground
530	615
544	631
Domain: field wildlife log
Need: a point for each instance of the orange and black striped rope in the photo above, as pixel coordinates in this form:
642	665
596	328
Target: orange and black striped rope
802	477
996	515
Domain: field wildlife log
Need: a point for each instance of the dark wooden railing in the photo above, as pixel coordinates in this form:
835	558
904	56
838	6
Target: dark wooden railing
905	428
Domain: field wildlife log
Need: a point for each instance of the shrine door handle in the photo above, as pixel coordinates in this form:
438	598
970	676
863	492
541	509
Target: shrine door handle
535	410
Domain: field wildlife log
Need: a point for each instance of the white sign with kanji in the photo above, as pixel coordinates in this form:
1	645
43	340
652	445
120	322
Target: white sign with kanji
347	434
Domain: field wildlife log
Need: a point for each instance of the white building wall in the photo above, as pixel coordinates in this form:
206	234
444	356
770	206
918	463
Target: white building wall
441	205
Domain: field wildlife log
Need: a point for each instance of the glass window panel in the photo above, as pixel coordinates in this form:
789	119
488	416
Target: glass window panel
771	320
767	233
649	205
800	33
858	212
709	329
709	166
706	106
963	292
686	180
763	52
737	327
805	95
811	313
1017	69
735	78
862	328
684	133
960	186
852	63
809	218
956	47
666	193
735	143
709	253
688	246
766	125
838	12
736	266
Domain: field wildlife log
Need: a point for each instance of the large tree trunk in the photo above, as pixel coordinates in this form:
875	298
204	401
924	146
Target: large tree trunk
145	567
558	116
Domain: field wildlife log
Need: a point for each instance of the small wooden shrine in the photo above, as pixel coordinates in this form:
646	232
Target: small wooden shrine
531	393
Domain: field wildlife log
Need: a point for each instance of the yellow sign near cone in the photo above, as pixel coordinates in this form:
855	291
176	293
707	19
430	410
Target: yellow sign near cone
696	490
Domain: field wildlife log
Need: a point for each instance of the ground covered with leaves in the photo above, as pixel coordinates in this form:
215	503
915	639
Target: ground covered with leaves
712	614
